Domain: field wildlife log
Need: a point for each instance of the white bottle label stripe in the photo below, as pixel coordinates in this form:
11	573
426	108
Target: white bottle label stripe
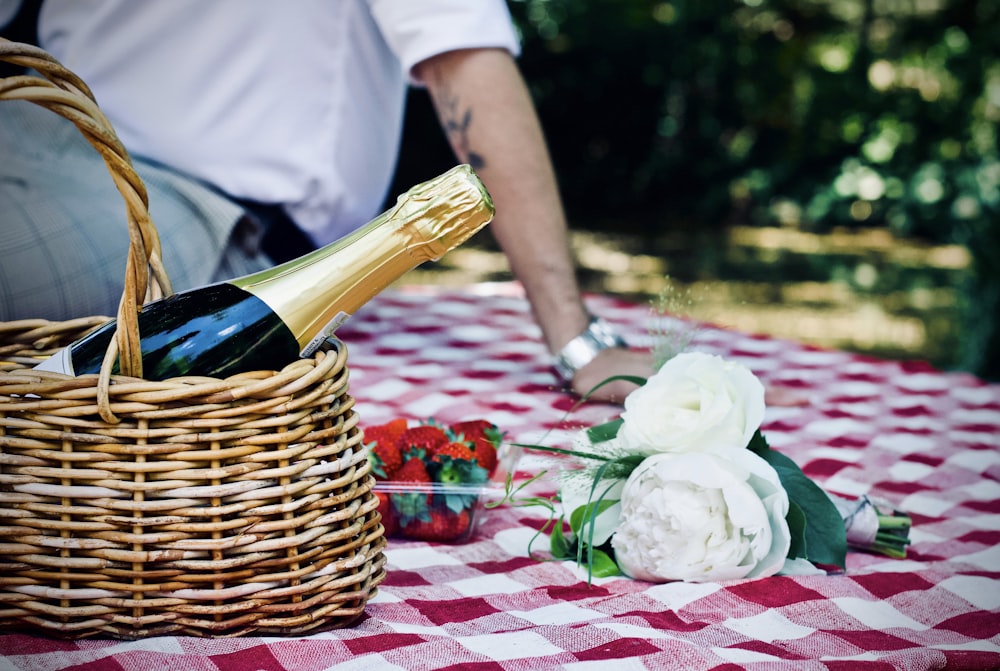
325	333
60	362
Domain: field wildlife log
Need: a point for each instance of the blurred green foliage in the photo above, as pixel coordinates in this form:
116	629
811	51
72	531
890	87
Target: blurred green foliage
814	114
818	113
808	113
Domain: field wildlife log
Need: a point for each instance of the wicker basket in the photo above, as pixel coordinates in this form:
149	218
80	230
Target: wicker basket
192	506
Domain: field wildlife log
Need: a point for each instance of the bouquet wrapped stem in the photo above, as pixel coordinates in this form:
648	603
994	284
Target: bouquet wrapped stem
874	525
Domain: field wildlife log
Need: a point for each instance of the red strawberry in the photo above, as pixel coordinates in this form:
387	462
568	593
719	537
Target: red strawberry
412	505
386	460
413	472
485	437
454	450
383	448
389	520
426	437
443	525
386	433
455	463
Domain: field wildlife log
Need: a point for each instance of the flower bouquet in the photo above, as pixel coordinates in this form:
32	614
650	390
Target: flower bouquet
683	486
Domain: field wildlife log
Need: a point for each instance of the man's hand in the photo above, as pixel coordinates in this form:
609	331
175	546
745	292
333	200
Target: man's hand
609	363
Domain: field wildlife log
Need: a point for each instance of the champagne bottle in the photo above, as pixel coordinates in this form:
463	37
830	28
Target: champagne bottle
265	320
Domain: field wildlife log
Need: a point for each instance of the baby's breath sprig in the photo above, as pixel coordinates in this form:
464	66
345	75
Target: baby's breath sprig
671	328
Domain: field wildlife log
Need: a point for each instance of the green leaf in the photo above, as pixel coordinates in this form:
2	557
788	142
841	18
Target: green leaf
604	432
602	565
825	538
559	545
561	450
797	529
758	443
585	514
634	379
411	506
456	502
451	471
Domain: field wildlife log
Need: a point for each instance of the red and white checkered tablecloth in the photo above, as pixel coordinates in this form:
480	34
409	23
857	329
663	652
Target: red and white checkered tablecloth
927	441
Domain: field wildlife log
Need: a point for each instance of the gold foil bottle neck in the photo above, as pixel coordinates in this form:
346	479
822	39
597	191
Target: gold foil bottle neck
314	293
438	212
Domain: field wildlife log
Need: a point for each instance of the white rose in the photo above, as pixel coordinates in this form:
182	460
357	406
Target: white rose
702	517
696	401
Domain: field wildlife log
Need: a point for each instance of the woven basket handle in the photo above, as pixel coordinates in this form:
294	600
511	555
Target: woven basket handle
145	277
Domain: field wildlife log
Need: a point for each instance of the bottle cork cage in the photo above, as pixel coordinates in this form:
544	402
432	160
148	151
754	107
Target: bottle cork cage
192	506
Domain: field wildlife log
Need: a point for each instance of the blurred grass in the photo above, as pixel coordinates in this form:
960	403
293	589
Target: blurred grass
860	291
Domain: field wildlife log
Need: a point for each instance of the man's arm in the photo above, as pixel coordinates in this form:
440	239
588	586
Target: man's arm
487	113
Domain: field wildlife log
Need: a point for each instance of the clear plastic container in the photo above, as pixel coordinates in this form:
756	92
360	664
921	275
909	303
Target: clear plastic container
439	512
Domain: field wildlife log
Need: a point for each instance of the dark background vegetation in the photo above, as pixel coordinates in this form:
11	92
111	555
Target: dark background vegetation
690	118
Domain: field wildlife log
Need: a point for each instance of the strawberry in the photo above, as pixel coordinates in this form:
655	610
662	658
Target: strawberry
413	472
454	450
443	525
384	453
412	505
426	437
386	433
429	466
455	464
485	437
389	520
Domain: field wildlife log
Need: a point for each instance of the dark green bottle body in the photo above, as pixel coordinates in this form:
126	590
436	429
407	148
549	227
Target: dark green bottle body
217	331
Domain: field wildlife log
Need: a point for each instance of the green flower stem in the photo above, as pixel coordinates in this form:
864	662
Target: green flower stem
892	537
560	450
893	534
887	522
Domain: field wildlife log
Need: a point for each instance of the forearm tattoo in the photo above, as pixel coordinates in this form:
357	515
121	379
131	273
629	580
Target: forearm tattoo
456	123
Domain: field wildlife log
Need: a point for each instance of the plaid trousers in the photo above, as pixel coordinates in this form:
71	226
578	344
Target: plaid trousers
63	231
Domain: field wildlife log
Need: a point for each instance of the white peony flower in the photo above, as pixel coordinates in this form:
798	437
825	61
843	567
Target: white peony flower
694	402
702	517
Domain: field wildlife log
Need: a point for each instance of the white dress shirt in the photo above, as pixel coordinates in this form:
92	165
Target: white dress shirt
298	102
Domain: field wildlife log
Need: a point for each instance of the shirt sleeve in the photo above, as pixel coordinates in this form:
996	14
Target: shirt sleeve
416	31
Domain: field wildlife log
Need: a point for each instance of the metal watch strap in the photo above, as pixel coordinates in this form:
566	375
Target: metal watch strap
582	349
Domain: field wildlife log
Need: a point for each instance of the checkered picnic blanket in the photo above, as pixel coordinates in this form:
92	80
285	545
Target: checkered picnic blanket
926	440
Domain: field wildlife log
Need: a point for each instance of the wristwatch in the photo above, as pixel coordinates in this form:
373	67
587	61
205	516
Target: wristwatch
582	349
